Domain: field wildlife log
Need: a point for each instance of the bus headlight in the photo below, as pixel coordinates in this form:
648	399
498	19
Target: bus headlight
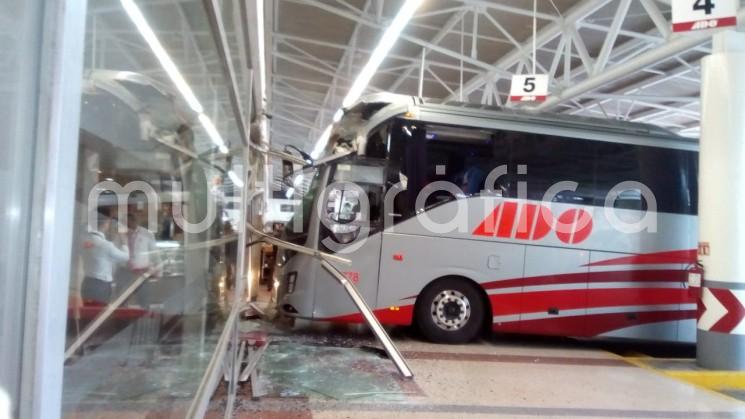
291	280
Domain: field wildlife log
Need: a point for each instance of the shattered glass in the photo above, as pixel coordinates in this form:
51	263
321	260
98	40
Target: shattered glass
289	369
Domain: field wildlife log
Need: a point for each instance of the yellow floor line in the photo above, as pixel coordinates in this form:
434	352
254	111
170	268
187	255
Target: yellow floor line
635	355
715	380
690	377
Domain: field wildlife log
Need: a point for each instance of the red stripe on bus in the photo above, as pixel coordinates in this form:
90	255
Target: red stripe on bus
505	304
401	316
513	304
674	256
540	301
594	324
640	275
636	296
536	302
647	275
560	299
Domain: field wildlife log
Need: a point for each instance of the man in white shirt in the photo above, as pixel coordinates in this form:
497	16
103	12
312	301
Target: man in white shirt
100	256
143	256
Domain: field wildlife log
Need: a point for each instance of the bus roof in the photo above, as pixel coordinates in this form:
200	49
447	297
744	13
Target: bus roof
371	104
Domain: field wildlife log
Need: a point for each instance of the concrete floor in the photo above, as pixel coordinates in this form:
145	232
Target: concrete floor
317	370
503	376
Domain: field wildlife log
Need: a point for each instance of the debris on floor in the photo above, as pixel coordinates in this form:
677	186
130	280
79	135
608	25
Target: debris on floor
289	369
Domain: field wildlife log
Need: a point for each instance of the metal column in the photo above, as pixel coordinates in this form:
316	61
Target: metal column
721	329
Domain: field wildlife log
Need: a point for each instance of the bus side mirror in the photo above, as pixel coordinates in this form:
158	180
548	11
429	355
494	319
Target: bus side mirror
343	214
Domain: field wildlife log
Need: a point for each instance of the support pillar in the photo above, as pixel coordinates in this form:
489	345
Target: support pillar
721	329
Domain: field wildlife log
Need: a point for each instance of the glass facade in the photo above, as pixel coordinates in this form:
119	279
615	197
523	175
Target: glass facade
19	85
158	193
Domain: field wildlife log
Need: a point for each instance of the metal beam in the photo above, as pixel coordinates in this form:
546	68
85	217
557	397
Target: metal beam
217	25
414	60
662	25
510	9
348	56
610	38
673	47
632	89
545	35
643	98
450	24
405	37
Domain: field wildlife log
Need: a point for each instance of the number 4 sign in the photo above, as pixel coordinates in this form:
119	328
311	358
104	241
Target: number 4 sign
529	88
692	15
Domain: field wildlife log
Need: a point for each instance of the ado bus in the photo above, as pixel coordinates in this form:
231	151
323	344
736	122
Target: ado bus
453	219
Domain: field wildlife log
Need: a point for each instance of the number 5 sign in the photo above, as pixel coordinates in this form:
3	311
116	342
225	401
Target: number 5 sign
529	88
692	15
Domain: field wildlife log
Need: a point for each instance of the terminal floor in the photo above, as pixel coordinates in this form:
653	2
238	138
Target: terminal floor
317	370
335	374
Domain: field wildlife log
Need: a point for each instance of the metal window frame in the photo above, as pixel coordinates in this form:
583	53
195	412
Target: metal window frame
228	337
55	155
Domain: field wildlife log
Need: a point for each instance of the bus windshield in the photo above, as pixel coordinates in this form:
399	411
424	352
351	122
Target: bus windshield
305	186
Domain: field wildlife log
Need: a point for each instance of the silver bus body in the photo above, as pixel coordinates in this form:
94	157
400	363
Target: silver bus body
532	277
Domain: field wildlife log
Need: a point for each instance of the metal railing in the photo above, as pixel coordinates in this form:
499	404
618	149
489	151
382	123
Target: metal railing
325	258
108	311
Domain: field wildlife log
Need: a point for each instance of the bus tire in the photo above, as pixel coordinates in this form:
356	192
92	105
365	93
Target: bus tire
450	310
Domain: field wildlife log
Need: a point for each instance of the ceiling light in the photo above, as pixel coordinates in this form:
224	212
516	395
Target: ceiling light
381	51
160	53
260	40
236	180
368	71
321	144
212	132
135	14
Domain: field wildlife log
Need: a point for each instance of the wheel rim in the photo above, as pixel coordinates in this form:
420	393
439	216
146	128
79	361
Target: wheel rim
450	310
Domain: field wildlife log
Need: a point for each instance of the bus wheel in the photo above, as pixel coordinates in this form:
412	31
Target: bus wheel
450	310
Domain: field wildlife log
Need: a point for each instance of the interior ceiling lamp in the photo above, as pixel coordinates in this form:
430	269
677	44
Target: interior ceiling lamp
237	181
262	57
135	14
368	71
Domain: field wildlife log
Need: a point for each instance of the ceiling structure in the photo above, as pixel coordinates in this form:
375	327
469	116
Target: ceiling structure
606	58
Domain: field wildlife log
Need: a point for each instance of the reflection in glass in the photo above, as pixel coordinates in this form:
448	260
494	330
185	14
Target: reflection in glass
157	211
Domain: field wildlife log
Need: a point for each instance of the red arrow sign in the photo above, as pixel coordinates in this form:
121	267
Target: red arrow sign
735	310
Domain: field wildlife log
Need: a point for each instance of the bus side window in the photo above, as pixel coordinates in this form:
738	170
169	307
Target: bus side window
420	154
668	173
550	159
664	171
616	163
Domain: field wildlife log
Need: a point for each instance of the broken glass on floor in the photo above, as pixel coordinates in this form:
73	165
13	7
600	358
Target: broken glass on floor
290	369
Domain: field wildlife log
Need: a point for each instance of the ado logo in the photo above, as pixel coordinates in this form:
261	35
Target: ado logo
534	222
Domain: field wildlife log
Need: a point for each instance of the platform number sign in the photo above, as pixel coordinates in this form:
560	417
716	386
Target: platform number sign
692	15
529	88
